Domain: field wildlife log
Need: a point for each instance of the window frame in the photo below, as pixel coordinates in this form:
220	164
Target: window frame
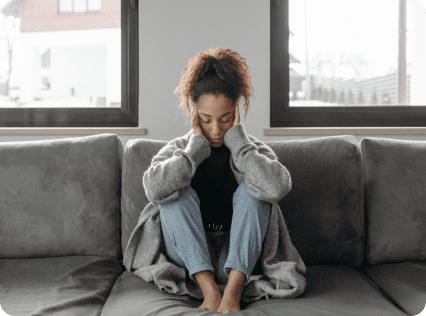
282	115
125	116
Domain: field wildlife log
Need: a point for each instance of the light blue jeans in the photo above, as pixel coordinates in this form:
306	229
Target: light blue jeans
186	243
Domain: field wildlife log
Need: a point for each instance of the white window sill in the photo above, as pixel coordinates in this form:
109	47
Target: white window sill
71	131
344	131
279	131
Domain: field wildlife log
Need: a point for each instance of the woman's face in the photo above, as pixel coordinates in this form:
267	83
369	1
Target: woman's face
216	117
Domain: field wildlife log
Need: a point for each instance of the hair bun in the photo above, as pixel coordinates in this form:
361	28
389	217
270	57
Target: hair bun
218	71
206	68
213	63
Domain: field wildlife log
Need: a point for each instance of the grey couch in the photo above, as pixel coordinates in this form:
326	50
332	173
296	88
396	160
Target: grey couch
356	213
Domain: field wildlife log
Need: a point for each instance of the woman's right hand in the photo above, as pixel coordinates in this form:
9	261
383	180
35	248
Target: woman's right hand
196	129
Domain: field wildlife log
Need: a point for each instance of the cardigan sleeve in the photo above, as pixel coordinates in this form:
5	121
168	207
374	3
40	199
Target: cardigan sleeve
173	167
266	178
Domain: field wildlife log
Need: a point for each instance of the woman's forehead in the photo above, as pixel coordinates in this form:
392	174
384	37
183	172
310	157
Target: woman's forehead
214	104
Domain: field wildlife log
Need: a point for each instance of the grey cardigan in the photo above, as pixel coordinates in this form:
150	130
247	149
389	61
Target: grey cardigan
169	176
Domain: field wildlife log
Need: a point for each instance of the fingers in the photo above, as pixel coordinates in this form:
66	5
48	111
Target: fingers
236	115
194	115
193	121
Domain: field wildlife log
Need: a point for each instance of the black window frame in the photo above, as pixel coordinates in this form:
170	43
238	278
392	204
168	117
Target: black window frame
125	116
282	115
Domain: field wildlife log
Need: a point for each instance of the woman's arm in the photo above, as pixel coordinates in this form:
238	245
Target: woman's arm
266	178
173	168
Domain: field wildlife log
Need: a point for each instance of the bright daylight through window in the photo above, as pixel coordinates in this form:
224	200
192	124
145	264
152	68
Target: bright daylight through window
62	53
351	53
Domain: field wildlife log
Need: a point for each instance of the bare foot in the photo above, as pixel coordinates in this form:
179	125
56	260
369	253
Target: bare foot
211	302
232	294
211	292
230	303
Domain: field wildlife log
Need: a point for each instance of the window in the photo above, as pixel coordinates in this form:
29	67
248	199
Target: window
73	63
362	70
79	5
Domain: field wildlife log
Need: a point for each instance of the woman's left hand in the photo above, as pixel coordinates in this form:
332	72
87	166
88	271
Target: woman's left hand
237	115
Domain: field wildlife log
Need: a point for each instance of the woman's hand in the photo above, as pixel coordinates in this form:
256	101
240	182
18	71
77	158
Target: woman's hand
236	115
196	129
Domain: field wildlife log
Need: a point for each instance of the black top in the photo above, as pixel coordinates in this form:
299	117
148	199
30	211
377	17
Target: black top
215	185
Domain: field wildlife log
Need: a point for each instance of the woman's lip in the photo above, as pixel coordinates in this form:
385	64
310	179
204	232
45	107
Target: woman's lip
215	140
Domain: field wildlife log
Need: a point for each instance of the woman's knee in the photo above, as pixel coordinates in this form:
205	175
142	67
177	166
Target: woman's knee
242	196
189	198
183	212
242	187
244	200
192	194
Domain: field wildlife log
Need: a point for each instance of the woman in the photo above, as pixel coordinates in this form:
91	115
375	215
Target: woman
215	80
214	189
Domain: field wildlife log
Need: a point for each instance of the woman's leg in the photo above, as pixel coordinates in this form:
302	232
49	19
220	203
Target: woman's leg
242	249
184	235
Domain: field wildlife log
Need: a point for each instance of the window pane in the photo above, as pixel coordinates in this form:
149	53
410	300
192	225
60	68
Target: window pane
65	5
94	5
352	49
61	60
80	6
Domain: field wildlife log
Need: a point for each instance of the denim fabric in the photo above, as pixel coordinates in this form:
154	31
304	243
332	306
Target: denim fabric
187	245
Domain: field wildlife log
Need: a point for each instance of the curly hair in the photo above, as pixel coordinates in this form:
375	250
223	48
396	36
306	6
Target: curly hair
216	71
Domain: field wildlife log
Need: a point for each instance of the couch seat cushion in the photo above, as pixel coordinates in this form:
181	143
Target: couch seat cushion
77	285
332	291
404	283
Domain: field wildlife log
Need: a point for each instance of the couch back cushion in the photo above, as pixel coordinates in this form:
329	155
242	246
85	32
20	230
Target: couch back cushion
60	197
395	199
137	158
324	211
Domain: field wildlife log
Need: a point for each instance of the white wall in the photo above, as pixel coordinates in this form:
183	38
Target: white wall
172	32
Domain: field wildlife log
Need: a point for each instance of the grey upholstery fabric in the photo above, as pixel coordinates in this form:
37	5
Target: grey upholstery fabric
395	200
137	157
333	290
403	283
60	197
324	211
76	285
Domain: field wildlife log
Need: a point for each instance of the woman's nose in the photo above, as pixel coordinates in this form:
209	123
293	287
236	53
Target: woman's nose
216	128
